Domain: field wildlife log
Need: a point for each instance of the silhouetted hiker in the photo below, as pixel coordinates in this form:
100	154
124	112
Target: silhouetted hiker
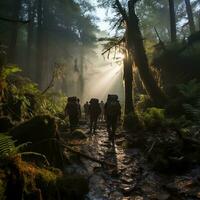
86	110
112	115
72	110
102	105
79	107
94	112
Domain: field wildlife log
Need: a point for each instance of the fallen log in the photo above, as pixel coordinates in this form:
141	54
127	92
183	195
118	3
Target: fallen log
87	156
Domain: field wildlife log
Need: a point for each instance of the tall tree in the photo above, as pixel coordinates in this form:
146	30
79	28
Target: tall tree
137	50
14	31
30	35
172	21
190	16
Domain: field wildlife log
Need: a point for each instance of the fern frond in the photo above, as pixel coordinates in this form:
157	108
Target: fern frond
7	145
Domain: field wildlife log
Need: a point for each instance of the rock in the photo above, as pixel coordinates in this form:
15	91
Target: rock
41	131
35	130
5	124
77	134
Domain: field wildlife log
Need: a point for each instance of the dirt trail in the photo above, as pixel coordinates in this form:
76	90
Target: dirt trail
130	179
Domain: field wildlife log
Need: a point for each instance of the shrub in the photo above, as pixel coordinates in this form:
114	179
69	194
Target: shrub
153	118
143	103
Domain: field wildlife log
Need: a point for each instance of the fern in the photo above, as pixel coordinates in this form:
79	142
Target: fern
190	90
193	112
7	146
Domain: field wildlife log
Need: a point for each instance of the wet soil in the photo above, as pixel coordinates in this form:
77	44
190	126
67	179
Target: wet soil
129	177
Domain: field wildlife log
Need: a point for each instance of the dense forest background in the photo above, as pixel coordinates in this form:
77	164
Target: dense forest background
47	35
64	35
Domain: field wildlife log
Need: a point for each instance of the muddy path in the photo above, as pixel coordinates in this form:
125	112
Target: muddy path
129	177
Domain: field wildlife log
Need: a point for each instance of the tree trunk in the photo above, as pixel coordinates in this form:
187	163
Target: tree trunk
128	79
30	38
41	54
39	42
172	21
190	16
14	32
136	47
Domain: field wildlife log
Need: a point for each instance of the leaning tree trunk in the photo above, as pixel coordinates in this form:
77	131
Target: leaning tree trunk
136	46
190	16
172	21
128	80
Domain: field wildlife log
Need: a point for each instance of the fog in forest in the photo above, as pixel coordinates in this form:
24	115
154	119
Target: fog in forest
60	37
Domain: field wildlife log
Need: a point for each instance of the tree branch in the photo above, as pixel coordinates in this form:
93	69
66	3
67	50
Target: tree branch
108	49
121	10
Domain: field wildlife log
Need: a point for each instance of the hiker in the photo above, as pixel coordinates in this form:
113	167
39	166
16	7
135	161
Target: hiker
112	115
86	110
72	110
79	107
94	112
102	110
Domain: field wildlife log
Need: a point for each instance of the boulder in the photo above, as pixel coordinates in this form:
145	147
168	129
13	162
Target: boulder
77	134
41	132
35	130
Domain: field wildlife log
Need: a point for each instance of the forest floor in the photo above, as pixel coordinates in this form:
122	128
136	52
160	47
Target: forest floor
126	174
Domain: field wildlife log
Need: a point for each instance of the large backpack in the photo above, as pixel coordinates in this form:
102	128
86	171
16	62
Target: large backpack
72	106
94	107
113	107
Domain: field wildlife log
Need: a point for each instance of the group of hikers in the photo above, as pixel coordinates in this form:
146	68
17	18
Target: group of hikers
94	111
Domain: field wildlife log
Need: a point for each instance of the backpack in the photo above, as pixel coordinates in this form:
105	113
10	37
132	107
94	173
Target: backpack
72	106
113	107
94	107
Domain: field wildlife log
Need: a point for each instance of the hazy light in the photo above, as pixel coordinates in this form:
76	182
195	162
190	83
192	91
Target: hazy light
101	83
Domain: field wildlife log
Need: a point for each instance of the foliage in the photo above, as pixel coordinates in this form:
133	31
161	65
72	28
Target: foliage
9	70
5	73
7	146
177	63
143	103
186	100
153	118
190	91
193	112
52	103
33	101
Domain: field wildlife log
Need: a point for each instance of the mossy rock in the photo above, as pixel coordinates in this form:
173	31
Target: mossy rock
77	134
66	187
41	131
37	129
